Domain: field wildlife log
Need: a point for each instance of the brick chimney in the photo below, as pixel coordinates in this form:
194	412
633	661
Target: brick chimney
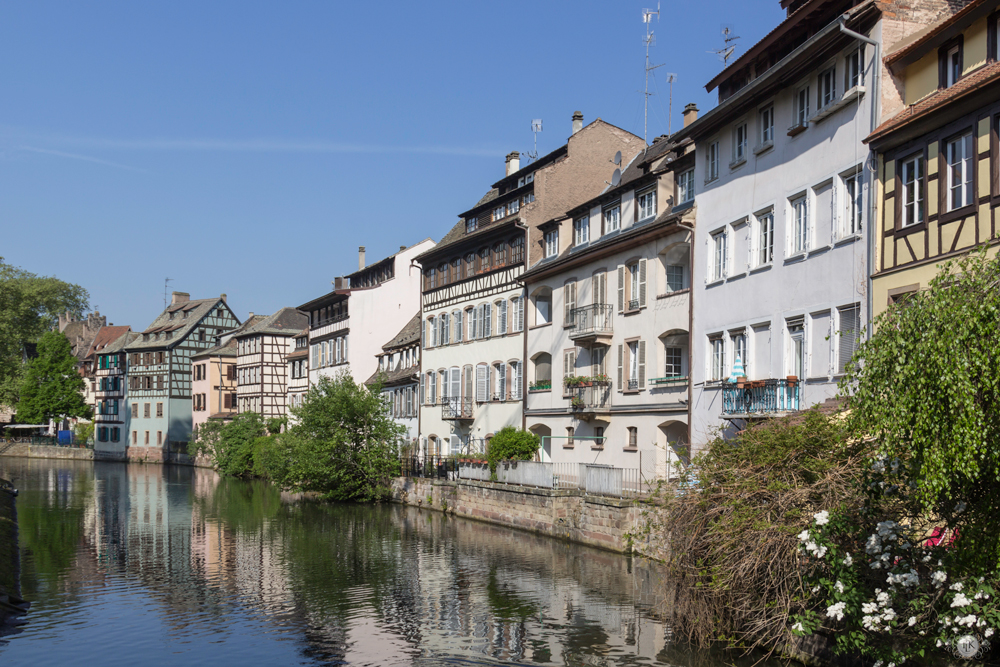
513	162
690	114
179	297
361	257
577	121
223	297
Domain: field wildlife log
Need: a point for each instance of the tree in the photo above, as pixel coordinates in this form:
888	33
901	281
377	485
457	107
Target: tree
344	443
231	444
51	387
29	306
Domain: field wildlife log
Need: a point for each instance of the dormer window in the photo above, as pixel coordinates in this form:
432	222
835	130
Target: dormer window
470	225
950	64
612	218
645	205
499	213
552	243
581	230
524	180
685	186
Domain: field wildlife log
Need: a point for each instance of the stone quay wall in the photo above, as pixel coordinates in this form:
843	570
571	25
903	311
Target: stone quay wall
131	454
614	524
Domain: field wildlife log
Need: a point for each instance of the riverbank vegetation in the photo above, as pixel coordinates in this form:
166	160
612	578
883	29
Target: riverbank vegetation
340	443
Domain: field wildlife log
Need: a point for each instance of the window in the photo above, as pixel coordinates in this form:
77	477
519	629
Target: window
517	250
146	439
717	358
764	252
646	205
159	438
850	335
516	379
796	347
801	108
959	157
500	381
851	223
635	365
135	437
502	323
543	368
739	342
135	410
951	66
513	206
800	225
517	313
482	383
569	302
632	286
739	144
827	93
766	124
456	317
598	436
552	243
543	308
145	410
911	180
675	278
719	256
672	362
569	436
612	219
470	265
685	187
633	437
569	363
499	213
581	230
853	76
712	162
484	260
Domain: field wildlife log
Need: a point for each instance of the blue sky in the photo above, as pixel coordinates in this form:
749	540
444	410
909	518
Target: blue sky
250	148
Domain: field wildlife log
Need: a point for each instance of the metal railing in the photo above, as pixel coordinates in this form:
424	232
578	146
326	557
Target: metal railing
593	397
633	304
633	385
429	467
47	440
596	318
760	397
456	408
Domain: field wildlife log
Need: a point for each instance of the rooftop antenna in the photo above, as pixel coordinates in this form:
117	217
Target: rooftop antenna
166	282
649	40
726	52
671	77
536	127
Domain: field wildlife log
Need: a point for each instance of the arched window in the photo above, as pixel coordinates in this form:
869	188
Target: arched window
484	260
542	301
541	371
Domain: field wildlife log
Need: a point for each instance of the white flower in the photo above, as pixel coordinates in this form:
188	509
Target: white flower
967	621
876	565
815	589
926	559
873	545
907	579
798	627
939	578
870	622
938	643
836	611
879	466
848	561
869	608
822	518
960	600
804	536
957	586
889	614
988	633
839	586
911	621
882	597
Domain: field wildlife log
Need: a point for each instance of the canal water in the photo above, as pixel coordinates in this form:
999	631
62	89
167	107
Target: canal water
162	565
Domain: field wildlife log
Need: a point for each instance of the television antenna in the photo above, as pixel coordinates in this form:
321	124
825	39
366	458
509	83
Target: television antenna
649	40
166	282
671	77
536	127
726	52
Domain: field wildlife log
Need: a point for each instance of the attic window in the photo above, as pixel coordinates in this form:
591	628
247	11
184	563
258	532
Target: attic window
470	225
184	315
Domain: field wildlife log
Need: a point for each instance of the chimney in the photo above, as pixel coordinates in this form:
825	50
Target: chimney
402	248
223	297
690	114
577	121
361	257
250	315
513	162
179	297
338	283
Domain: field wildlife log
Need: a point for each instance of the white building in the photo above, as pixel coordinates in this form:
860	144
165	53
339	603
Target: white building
608	320
472	378
782	255
398	372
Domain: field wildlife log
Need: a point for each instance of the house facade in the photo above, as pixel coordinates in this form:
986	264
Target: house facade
398	372
110	369
608	321
213	384
473	305
159	373
937	161
298	369
784	209
261	368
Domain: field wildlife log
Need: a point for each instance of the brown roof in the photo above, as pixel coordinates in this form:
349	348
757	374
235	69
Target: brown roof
964	87
287	321
105	337
408	335
196	310
228	349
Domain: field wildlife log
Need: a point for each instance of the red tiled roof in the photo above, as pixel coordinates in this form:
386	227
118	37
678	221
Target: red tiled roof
105	337
965	86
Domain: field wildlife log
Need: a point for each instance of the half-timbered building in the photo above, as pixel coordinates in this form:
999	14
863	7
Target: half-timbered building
398	372
298	369
159	373
608	317
110	367
261	369
938	162
472	366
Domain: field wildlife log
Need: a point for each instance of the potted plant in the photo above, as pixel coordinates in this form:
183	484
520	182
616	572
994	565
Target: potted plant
601	379
577	403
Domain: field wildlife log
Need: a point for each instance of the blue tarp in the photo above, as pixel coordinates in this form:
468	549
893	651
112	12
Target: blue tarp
65	437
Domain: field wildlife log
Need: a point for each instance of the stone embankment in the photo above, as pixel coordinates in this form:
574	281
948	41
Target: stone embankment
615	524
132	454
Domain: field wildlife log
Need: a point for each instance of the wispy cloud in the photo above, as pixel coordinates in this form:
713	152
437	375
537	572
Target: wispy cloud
77	156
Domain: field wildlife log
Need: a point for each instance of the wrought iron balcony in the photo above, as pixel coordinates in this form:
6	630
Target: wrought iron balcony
457	409
590	399
756	399
593	321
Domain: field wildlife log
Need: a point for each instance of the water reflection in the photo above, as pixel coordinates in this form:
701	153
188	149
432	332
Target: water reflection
180	567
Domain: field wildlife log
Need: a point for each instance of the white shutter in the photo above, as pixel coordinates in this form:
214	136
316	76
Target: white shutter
423	388
502	319
642	364
569	302
621	288
482	380
456	384
432	387
458	326
620	369
455	444
518	369
502	381
599	288
487	319
642	283
850	330
520	313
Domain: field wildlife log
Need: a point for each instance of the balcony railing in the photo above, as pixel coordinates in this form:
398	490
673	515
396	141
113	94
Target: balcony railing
589	398
760	398
456	408
593	320
633	304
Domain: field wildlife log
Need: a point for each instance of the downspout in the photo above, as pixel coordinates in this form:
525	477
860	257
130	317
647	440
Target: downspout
875	107
690	408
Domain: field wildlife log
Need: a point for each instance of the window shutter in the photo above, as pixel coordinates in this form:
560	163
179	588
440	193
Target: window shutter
565	363
423	388
518	380
620	359
423	336
621	288
849	335
456	383
642	364
519	313
487	320
642	283
502	317
467	381
458	326
482	380
502	381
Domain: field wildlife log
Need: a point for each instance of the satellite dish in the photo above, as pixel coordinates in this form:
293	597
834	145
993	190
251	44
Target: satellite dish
616	178
618	158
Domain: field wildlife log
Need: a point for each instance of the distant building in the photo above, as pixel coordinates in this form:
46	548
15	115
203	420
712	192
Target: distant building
213	384
88	366
297	360
398	371
159	373
111	417
261	369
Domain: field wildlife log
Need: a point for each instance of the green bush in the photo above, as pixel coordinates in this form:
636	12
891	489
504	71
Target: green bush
511	444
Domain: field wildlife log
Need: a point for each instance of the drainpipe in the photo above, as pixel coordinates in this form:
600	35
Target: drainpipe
690	354
875	108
